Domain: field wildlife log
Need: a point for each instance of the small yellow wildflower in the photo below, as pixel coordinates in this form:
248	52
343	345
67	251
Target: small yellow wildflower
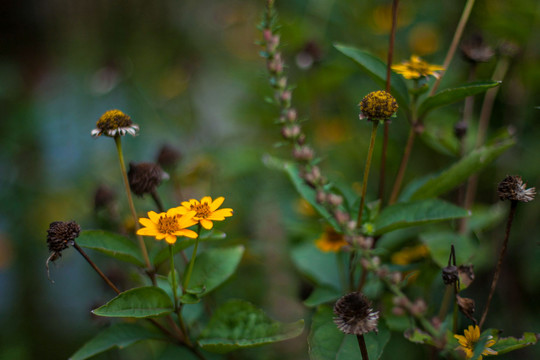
378	105
168	225
330	240
468	342
115	123
206	210
416	68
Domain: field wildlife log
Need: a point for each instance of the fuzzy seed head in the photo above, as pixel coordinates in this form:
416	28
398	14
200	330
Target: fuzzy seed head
62	234
145	177
513	188
378	105
354	314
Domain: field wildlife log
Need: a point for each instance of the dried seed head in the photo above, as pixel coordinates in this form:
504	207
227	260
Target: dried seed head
354	314
450	274
145	177
475	50
168	156
513	188
62	234
466	274
466	306
103	197
378	105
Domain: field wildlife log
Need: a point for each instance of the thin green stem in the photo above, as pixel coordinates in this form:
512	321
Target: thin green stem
362	345
118	141
455	41
403	166
189	270
366	172
173	274
94	266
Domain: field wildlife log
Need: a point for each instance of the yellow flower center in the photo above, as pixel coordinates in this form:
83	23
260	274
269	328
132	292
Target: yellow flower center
203	210
378	105
112	120
168	225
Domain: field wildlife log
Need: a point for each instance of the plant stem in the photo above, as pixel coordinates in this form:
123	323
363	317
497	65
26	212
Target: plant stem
94	266
382	176
157	201
189	270
403	165
173	273
362	345
504	247
453	46
118	141
366	172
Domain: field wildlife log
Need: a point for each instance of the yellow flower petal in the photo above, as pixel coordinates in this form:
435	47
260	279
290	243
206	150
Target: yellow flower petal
207	224
147	232
153	216
147	222
187	233
216	203
171	239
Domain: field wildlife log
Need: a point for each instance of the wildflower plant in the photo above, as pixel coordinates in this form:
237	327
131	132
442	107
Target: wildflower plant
367	253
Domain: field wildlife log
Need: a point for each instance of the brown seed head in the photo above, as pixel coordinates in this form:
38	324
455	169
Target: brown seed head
168	156
513	188
475	50
62	234
354	314
144	178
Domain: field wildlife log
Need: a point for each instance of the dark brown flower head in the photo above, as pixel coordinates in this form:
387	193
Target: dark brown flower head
475	50
467	307
354	314
113	123
513	188
378	105
168	156
144	178
62	234
103	197
450	274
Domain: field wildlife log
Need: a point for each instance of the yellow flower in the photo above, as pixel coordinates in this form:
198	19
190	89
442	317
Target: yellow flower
168	225
378	105
330	240
468	342
115	123
206	210
416	68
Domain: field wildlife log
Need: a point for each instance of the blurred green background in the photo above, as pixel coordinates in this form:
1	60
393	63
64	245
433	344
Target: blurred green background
189	74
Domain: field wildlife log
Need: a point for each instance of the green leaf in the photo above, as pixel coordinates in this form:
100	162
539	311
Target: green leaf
321	295
142	302
176	352
117	335
213	267
414	213
320	267
303	189
238	324
327	342
376	69
507	344
418	336
111	244
486	217
159	255
438	184
449	96
439	244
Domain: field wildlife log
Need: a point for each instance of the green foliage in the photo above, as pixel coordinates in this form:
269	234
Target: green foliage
327	342
117	335
213	267
318	266
111	244
507	344
376	69
452	95
142	302
238	324
439	246
321	295
414	213
442	182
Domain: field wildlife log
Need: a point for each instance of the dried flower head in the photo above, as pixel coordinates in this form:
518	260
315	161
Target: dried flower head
103	197
475	50
450	274
115	123
417	68
467	307
62	234
330	240
513	188
144	178
168	156
354	314
378	105
467	342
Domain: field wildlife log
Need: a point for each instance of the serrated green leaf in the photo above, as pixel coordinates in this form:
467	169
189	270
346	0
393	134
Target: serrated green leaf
159	255
117	335
213	267
320	267
507	344
418	336
238	324
327	342
442	182
303	189
142	302
176	352
376	69
111	244
414	213
449	96
439	244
